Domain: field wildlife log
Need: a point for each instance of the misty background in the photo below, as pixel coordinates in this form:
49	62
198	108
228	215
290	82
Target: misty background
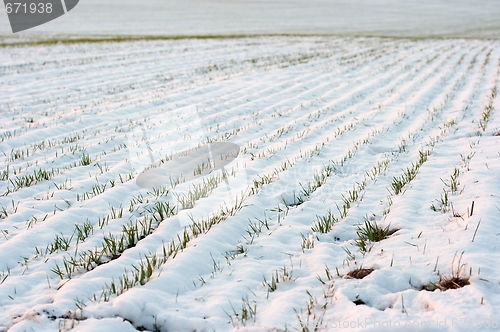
392	18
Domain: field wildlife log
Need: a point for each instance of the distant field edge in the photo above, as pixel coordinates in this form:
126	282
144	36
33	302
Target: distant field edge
4	42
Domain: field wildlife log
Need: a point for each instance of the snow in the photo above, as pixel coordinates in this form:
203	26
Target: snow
319	121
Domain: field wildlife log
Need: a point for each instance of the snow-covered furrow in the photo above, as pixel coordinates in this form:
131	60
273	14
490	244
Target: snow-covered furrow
103	159
296	107
50	207
253	261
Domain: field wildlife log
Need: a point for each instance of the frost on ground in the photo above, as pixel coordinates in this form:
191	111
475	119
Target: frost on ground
366	197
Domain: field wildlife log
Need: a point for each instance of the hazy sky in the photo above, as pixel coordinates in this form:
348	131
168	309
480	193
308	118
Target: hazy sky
418	18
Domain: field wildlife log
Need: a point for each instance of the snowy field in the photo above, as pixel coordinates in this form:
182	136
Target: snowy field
332	182
365	195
